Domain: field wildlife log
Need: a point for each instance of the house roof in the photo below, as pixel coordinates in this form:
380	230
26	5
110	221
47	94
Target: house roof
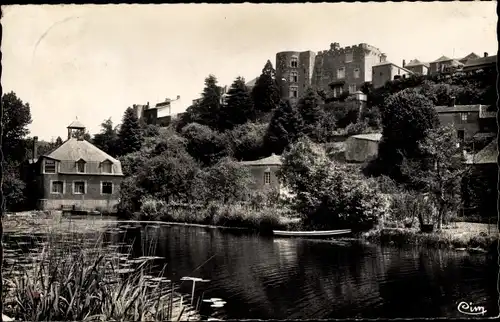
416	62
480	62
390	63
457	108
272	160
469	56
76	125
74	150
488	155
370	136
442	58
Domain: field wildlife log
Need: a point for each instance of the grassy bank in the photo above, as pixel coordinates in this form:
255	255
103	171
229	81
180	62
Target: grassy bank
458	235
262	218
78	277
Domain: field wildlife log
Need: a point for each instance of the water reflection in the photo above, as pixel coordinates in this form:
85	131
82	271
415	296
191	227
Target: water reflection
266	278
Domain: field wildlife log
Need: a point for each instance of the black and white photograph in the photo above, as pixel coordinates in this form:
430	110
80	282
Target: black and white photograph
251	161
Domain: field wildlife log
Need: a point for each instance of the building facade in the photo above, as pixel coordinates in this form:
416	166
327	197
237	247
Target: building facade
345	69
264	173
362	147
464	118
77	175
417	67
294	73
444	65
387	71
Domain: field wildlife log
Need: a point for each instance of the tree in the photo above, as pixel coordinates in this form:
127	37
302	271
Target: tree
266	93
205	144
130	135
406	118
328	195
238	108
226	181
438	171
313	114
285	128
81	133
207	111
58	142
248	141
107	139
16	118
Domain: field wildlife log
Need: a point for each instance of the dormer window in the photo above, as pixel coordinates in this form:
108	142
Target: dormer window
106	166
49	166
80	166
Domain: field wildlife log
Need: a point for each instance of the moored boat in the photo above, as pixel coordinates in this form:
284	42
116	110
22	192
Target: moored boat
313	233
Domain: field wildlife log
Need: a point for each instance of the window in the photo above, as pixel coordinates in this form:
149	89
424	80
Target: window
341	72
106	188
339	90
80	166
294	91
294	77
294	62
463	116
461	134
106	167
57	187
352	88
79	187
356	73
348	57
50	166
267	177
380	73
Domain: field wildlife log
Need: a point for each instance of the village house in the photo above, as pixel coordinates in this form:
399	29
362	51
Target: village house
417	67
480	63
362	147
445	65
161	114
76	175
467	119
387	71
264	173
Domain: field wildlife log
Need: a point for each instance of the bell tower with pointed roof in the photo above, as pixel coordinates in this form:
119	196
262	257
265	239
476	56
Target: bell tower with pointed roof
76	126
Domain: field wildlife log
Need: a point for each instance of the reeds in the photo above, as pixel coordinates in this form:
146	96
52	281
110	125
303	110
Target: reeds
80	278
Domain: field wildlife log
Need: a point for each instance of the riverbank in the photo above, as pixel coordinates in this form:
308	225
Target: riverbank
263	219
462	236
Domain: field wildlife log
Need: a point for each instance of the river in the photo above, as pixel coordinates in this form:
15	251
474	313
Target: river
278	278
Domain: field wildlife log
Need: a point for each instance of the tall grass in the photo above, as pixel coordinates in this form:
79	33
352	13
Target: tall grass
262	218
78	278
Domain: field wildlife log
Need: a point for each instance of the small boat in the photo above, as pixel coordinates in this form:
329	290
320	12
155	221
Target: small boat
314	233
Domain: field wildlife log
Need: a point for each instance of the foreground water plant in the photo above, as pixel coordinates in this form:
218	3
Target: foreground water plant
68	280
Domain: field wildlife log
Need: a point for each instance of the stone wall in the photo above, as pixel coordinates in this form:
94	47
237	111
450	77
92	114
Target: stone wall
359	150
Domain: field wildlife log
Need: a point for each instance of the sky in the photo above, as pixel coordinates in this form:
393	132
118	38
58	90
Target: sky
91	62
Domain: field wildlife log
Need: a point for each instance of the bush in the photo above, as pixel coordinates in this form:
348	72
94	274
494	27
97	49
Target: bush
356	128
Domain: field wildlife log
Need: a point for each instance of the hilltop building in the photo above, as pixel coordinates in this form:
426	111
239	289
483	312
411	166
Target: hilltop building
387	71
76	175
294	71
161	114
345	69
417	67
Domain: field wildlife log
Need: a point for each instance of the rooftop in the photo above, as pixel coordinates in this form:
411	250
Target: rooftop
74	150
457	108
416	62
272	160
442	58
391	63
369	136
252	82
76	125
483	61
488	155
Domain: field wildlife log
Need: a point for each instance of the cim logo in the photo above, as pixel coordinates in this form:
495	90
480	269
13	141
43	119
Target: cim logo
469	309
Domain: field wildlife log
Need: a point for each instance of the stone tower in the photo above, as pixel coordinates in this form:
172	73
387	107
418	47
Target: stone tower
294	73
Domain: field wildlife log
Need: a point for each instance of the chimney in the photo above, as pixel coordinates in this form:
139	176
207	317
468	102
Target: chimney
178	97
452	101
404	63
485	54
383	57
35	143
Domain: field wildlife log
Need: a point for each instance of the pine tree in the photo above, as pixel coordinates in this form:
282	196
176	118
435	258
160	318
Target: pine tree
130	135
266	94
59	141
312	113
285	128
208	109
239	107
